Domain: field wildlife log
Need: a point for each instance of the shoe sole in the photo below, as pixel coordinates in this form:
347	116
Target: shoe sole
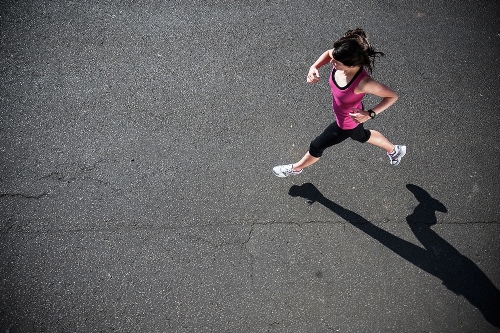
283	175
403	149
279	174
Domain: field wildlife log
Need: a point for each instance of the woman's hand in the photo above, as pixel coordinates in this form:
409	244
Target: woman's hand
313	75
359	116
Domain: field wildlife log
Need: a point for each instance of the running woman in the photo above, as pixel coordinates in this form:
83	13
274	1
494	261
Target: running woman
351	56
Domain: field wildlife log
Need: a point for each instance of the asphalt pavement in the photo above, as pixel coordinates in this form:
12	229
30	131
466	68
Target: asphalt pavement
137	140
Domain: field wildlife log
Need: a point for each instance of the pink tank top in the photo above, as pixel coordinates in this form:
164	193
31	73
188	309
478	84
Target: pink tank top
344	99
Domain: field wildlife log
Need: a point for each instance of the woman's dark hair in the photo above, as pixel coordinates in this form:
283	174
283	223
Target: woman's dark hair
354	50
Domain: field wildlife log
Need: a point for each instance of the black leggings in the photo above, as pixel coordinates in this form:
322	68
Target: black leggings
333	135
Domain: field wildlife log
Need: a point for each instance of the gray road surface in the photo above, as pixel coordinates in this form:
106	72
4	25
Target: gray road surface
136	145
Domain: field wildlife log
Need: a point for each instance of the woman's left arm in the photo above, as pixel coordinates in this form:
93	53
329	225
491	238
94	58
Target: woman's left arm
370	86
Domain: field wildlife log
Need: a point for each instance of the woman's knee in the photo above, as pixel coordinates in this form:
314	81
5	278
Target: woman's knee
315	150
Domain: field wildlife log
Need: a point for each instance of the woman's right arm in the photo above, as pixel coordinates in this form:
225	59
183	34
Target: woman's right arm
313	75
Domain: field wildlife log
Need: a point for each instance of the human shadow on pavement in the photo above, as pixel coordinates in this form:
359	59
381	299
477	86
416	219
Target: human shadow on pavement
439	258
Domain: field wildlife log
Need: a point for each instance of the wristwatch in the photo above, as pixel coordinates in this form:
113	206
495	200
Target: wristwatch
372	113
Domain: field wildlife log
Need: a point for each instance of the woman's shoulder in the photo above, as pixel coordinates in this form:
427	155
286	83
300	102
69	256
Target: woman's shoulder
365	74
371	86
364	80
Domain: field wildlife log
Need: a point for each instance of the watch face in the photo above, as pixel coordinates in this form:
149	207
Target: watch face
372	114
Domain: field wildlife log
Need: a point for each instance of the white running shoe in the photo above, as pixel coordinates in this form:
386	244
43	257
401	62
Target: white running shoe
399	152
285	170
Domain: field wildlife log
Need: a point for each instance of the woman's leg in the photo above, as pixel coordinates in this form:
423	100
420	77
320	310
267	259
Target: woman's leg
332	135
377	139
306	161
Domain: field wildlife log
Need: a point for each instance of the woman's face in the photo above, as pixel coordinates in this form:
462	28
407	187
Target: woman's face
338	65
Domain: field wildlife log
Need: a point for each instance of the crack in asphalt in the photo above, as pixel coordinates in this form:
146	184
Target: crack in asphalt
23	196
136	227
